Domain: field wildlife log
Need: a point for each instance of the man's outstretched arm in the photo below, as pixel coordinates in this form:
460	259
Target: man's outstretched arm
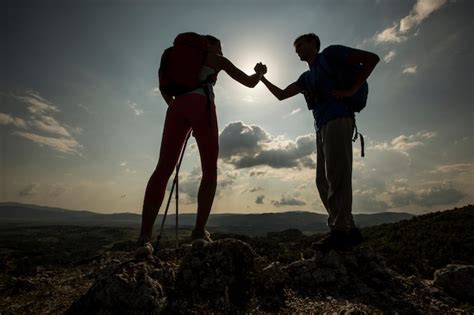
291	90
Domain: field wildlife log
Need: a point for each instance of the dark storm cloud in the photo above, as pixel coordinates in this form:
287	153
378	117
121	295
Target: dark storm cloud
247	146
237	139
259	200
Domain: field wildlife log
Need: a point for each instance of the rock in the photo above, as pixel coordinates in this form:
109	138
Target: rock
132	287
220	274
271	282
310	275
19	285
456	280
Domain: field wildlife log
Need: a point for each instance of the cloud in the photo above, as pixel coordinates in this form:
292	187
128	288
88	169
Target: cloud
85	108
403	144
440	194
156	91
50	125
410	70
41	120
56	190
226	179
390	35
399	32
454	168
29	190
131	171
237	138
421	10
367	204
189	183
63	145
288	201
246	146
308	162
259	200
36	104
389	56
124	163
257	173
134	107
6	119
292	112
256	189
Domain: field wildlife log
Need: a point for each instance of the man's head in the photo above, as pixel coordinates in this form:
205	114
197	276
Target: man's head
214	44
307	46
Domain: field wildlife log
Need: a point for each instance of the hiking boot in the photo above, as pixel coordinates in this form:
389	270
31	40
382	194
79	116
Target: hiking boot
336	240
200	237
355	237
144	249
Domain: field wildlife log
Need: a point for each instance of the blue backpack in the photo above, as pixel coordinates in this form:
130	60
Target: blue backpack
343	77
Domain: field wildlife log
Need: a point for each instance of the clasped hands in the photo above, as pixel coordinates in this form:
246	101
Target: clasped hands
260	69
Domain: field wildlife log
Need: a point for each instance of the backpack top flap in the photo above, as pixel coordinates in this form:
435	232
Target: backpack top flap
181	64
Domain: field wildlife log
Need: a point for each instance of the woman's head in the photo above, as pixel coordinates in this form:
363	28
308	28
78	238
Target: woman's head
214	44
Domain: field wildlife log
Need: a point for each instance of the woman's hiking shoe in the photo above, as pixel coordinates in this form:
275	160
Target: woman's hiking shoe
200	237
334	240
144	249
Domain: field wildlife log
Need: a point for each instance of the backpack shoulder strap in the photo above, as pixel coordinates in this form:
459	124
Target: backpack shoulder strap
322	61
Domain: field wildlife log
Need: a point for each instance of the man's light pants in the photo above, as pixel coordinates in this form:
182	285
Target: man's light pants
334	171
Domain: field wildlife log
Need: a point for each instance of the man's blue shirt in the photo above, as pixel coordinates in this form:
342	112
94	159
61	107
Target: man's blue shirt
317	82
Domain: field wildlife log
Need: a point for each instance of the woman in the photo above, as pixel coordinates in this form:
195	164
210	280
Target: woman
194	111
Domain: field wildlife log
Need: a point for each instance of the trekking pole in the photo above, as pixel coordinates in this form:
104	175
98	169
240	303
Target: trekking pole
175	182
176	203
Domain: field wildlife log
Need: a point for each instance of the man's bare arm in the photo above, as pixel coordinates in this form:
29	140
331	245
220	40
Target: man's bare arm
368	61
289	91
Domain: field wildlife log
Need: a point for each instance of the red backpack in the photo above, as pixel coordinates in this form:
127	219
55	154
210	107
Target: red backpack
180	64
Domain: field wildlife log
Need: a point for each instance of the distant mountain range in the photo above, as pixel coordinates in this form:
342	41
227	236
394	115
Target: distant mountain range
305	221
250	224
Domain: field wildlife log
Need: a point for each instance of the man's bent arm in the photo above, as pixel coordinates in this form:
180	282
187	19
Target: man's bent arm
291	90
368	60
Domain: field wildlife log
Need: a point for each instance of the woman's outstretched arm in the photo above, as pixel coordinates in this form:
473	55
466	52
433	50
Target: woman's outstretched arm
220	62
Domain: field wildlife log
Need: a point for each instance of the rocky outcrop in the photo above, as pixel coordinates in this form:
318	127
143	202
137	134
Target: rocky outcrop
132	287
457	280
227	276
220	275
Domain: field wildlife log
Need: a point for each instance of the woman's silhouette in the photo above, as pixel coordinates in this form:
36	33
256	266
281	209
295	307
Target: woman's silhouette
194	111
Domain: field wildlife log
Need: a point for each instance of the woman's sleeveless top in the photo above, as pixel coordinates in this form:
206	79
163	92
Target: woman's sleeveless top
205	72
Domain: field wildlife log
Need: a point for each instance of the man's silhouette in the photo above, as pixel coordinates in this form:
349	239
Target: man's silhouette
335	123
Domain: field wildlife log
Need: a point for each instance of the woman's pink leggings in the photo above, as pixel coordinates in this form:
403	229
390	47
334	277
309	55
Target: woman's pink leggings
186	112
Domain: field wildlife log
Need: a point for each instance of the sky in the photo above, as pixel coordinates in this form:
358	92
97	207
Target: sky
81	119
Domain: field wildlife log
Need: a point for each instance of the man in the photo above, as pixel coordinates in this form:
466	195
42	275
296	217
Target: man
334	122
